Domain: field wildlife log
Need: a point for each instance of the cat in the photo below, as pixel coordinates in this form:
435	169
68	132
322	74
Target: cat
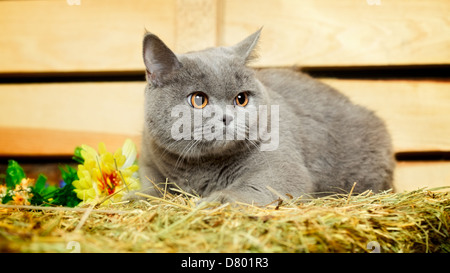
321	142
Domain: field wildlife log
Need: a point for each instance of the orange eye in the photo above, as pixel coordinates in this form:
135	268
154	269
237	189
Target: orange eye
198	100
241	99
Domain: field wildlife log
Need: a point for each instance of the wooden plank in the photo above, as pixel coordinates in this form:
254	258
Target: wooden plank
106	35
416	112
414	175
101	107
48	142
342	33
196	24
97	35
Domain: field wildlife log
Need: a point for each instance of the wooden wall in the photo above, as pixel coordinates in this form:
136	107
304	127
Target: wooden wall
73	74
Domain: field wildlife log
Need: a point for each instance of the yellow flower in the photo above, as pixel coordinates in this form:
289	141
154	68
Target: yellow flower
103	173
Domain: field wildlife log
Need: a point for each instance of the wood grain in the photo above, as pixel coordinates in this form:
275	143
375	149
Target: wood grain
343	33
416	112
196	24
98	107
414	175
48	142
98	35
105	35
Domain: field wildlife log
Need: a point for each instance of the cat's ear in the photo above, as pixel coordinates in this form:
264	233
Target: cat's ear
246	48
158	58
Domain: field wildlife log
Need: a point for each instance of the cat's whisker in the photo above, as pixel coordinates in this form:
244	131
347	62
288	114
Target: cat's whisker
197	142
167	148
181	155
186	151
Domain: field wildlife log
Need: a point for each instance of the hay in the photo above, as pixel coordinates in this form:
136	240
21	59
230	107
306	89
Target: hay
416	221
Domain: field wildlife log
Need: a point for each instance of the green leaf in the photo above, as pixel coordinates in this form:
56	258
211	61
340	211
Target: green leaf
39	186
49	191
69	175
66	196
37	198
77	155
6	199
14	174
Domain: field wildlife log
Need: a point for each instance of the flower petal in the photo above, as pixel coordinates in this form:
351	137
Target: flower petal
102	148
129	151
88	151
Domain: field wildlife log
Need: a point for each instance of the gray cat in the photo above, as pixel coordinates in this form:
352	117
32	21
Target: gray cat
321	143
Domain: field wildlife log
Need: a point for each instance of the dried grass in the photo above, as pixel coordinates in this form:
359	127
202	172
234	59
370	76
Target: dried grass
416	221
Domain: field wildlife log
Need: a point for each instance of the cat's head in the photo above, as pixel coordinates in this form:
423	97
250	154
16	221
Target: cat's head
193	98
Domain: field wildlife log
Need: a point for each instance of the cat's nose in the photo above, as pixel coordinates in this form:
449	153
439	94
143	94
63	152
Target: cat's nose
227	119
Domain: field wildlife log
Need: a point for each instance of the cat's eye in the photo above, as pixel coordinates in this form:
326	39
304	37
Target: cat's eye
241	99
198	100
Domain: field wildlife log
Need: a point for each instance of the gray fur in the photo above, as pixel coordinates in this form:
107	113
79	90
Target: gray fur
326	143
